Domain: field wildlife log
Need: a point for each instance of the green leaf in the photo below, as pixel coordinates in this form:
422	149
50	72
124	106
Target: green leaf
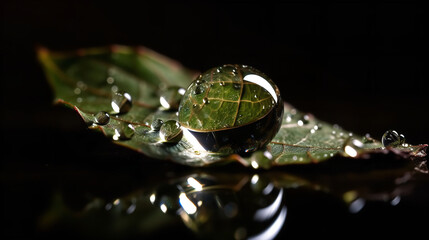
88	79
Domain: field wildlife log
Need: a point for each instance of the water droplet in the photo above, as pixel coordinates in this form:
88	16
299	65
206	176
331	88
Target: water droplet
170	98
79	99
77	91
170	131
391	138
197	90
102	118
156	124
123	131
121	102
110	80
352	147
205	123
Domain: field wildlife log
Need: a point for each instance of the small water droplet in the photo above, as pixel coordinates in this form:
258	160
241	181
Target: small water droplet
121	102
352	147
110	80
391	138
77	91
81	85
102	118
156	124
206	100
170	131
198	90
114	88
123	131
170	98
237	86
79	100
222	83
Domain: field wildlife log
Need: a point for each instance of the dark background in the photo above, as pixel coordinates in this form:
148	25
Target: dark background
360	65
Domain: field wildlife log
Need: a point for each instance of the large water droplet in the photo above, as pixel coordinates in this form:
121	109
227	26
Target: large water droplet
170	99
170	131
392	138
249	125
102	118
121	102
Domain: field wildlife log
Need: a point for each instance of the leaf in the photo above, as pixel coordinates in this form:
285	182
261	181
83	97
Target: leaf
87	80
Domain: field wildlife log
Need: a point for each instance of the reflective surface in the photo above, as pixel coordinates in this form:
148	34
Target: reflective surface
117	197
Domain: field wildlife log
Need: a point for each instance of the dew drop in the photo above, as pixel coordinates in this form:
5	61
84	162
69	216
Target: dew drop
206	100
110	80
121	102
77	91
222	83
391	138
352	147
237	86
102	118
170	131
170	99
123	131
156	124
198	90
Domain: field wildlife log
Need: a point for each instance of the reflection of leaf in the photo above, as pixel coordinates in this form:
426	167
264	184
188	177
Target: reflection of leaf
86	80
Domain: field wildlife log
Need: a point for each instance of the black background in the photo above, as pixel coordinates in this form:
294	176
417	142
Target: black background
360	65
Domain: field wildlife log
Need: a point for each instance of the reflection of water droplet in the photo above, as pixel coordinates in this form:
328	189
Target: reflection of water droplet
156	124
391	138
121	102
352	147
102	118
170	131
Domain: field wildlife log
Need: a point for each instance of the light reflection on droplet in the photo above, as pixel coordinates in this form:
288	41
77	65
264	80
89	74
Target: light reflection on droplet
357	205
195	184
163	208
152	198
186	204
131	208
116	202
395	201
254	164
253	78
255	179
